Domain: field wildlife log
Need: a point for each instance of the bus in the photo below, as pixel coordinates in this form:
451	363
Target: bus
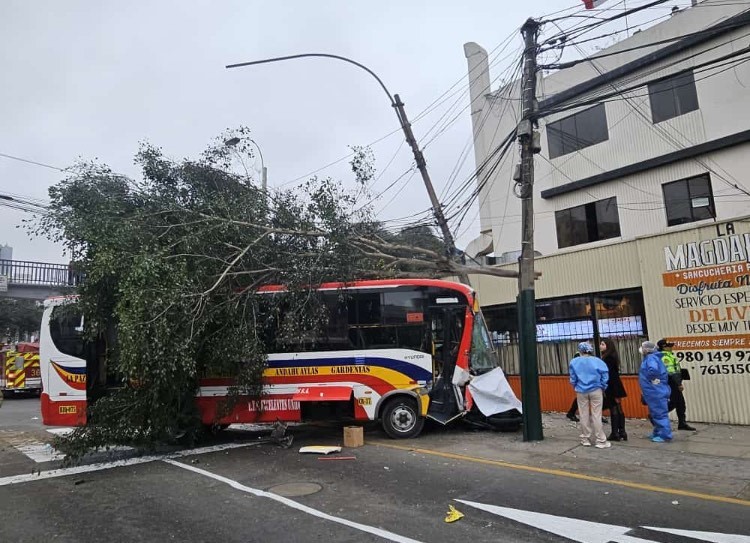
397	351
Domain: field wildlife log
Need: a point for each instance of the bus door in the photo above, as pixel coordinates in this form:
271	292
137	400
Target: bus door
446	327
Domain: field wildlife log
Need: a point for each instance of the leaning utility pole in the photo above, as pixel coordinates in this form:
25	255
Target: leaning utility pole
529	141
437	209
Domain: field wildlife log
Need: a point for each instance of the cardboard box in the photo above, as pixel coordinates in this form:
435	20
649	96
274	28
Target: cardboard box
353	436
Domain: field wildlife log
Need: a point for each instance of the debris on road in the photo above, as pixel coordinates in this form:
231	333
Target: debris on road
319	449
453	514
337	458
353	437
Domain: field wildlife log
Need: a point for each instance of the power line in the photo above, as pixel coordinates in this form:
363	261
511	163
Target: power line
34	162
477	130
710	30
595	98
660	130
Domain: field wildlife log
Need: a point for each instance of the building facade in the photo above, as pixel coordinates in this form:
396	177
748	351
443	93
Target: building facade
642	203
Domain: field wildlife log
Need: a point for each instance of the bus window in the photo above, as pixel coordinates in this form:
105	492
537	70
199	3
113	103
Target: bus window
285	331
483	357
403	307
66	331
378	337
364	308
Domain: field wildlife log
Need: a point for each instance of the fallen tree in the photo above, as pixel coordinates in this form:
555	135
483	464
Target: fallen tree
172	263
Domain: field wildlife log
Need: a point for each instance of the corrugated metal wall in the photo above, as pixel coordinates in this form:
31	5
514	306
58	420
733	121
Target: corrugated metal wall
594	269
719	390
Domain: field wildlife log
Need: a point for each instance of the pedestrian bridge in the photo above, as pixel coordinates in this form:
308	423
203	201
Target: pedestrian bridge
36	280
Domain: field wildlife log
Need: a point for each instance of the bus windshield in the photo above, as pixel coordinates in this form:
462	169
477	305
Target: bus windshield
483	357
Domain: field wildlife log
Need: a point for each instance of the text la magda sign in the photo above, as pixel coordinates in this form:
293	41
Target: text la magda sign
711	282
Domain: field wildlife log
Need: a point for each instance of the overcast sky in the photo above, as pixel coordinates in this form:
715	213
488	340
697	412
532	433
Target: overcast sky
92	79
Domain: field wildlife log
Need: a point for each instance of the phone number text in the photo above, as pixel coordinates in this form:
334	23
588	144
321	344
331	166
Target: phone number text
729	362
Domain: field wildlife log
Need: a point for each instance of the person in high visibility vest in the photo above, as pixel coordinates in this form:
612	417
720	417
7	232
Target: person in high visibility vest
676	398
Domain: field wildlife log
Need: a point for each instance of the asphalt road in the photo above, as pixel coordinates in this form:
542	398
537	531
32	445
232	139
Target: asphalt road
383	494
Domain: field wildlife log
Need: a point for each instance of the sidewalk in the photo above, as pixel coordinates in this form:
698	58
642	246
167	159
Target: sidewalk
714	460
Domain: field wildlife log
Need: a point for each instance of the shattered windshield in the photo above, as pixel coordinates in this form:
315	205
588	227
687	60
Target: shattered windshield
483	357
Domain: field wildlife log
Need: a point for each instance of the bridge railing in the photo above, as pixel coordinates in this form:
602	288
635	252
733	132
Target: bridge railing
20	272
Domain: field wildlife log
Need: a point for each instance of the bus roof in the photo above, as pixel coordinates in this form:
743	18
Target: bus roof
385	283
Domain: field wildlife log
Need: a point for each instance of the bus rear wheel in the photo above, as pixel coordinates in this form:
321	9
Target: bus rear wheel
400	418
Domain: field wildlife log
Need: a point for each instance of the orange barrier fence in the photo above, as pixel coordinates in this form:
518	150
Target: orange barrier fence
557	394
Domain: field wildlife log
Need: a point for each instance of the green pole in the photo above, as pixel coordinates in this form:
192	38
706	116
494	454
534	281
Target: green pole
530	398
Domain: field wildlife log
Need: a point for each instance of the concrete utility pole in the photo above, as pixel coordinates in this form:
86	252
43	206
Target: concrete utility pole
437	208
529	141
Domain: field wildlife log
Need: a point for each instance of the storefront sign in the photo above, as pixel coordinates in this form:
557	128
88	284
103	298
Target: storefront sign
709	282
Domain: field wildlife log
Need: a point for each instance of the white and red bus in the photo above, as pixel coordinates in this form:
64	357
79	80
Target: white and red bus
398	351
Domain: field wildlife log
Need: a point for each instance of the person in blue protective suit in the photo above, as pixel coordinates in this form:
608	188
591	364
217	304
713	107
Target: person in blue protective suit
653	379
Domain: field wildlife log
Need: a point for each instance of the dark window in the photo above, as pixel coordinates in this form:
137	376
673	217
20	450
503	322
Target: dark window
570	134
587	223
563	308
672	97
689	200
365	308
66	331
403	307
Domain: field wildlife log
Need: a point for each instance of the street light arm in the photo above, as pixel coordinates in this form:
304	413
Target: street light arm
260	153
321	55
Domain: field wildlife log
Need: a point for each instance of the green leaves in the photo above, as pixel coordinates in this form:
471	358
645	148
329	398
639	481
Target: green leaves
172	263
18	318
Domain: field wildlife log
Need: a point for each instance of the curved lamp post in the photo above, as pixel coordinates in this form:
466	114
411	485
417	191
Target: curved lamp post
231	142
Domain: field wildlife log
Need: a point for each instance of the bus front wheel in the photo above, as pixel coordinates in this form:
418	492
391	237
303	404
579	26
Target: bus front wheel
400	418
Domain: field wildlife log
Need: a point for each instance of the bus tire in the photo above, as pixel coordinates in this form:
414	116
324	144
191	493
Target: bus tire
214	429
400	418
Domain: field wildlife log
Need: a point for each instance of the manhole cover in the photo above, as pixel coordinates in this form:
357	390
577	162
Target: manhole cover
291	490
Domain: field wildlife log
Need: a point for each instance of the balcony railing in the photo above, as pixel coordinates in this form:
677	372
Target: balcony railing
21	272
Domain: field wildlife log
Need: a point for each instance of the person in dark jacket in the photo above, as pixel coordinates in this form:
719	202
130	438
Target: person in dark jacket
615	390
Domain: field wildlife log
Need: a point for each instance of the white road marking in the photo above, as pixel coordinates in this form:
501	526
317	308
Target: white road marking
385	534
584	531
44	452
40	452
63	431
715	537
76	470
34	449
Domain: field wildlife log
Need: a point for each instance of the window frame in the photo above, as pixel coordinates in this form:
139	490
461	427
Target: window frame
561	143
711	201
592	226
680	105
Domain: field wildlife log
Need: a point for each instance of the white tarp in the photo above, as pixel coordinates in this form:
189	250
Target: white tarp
492	393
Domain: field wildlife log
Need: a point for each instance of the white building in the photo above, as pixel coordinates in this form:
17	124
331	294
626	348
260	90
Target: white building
671	151
641	204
